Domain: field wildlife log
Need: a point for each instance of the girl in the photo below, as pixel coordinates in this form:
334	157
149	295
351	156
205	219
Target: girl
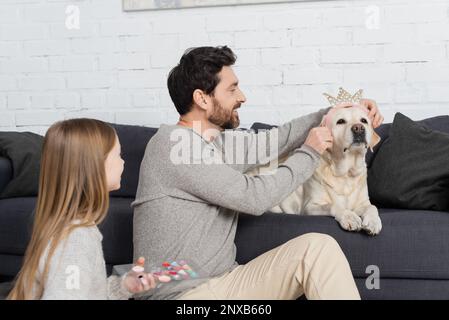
80	164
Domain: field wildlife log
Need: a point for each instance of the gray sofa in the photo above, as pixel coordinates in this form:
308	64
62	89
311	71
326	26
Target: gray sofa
411	252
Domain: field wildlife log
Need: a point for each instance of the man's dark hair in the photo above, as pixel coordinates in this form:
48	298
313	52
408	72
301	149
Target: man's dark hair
197	69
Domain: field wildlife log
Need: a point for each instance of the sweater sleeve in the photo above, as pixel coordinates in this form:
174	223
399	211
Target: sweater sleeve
71	269
221	185
289	136
77	266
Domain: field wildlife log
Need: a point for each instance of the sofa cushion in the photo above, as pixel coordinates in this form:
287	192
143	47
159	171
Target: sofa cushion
412	244
262	126
16	221
5	173
439	123
404	289
410	170
133	140
24	151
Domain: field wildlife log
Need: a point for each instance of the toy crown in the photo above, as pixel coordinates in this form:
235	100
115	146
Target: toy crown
344	96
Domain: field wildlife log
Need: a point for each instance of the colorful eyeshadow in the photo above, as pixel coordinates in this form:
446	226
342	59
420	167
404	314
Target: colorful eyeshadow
164	279
174	271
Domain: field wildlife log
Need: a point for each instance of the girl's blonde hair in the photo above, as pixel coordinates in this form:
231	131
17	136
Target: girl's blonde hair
72	186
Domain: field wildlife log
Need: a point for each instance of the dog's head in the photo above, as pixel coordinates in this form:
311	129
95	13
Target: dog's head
351	129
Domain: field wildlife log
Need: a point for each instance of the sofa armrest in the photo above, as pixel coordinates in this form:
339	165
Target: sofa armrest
5	173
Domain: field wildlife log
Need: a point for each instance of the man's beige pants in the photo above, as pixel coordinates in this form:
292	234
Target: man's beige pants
312	264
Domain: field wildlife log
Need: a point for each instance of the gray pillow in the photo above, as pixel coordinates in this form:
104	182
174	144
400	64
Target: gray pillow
411	169
24	150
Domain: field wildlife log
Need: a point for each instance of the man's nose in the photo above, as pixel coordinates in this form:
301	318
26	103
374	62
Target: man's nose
358	128
242	98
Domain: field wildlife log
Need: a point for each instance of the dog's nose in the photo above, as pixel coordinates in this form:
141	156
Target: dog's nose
358	128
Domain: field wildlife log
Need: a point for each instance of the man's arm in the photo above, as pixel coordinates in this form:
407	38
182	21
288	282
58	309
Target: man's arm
256	147
221	185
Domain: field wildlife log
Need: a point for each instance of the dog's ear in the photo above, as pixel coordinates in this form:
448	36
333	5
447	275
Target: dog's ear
375	139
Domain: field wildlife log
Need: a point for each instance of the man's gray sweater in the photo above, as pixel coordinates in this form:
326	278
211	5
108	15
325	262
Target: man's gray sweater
188	202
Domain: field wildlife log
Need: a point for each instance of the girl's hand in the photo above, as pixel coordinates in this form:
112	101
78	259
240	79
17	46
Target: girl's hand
136	280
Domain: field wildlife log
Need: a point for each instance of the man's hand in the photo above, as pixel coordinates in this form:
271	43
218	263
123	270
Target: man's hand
374	114
319	139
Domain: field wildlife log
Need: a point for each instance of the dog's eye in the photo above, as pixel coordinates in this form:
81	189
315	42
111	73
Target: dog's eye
363	120
341	121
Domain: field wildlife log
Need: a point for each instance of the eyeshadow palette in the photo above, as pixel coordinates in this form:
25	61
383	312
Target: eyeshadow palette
167	272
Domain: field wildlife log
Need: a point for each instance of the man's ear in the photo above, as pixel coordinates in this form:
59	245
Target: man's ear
375	139
200	98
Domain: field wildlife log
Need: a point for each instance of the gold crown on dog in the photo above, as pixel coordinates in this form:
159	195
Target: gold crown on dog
344	96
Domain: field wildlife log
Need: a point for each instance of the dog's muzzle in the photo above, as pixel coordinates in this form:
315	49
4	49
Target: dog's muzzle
358	133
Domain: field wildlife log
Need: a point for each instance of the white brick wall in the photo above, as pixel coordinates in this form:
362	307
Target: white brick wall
114	67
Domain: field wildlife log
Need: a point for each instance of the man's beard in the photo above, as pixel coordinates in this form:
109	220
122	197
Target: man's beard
225	119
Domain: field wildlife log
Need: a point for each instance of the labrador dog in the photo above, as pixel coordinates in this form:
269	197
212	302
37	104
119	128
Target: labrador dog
339	186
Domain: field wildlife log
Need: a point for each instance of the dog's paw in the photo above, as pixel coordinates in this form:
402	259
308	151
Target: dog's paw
372	224
350	221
